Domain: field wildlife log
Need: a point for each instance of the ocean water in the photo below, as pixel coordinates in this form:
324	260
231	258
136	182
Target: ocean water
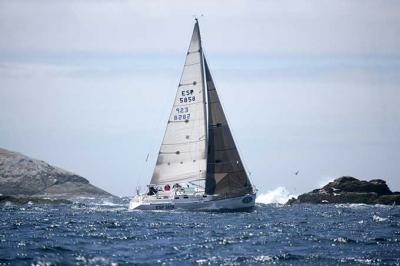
109	234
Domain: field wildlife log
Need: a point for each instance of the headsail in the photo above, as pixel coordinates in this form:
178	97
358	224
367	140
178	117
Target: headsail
182	156
225	172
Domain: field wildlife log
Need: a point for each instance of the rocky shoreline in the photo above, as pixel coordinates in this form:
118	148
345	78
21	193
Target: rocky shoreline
348	189
24	179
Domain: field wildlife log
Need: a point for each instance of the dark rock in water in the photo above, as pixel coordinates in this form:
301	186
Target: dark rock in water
33	200
351	184
22	176
348	189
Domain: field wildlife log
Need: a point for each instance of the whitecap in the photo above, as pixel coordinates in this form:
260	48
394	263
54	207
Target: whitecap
8	203
352	205
98	260
263	258
377	218
279	195
108	203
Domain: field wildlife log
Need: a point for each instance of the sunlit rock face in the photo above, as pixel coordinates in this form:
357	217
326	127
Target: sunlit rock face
348	189
21	175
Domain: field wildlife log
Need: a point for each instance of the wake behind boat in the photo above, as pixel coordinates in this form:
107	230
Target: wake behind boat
198	165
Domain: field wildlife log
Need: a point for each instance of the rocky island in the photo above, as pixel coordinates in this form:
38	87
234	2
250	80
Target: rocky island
348	189
25	179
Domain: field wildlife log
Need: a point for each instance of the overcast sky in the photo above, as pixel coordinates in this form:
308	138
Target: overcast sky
309	86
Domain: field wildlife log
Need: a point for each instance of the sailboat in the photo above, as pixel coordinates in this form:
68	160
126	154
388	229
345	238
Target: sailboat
198	165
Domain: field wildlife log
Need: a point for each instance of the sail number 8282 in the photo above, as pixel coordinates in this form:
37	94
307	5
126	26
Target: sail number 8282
182	117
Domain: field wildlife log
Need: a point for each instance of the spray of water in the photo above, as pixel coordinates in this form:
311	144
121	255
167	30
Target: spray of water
279	195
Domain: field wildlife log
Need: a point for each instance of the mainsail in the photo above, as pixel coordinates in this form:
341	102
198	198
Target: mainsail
182	155
225	171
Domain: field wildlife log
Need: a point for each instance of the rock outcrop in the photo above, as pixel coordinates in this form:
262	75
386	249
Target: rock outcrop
32	200
348	189
22	176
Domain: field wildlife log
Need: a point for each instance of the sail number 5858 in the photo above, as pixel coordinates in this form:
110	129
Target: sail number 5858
187	99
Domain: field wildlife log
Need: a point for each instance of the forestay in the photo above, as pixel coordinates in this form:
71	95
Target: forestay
182	156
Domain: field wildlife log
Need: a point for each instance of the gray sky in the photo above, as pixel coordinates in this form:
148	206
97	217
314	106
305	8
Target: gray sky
307	85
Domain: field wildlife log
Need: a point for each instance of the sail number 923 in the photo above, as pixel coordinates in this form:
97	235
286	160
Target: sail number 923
183	113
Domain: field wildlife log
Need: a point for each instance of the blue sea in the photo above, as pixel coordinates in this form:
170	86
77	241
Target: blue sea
106	233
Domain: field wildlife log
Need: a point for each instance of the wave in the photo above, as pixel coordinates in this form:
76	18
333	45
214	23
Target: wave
377	218
107	203
279	195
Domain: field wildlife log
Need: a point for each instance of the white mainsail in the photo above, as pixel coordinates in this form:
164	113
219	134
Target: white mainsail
182	155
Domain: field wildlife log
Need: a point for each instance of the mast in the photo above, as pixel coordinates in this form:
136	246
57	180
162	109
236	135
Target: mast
204	90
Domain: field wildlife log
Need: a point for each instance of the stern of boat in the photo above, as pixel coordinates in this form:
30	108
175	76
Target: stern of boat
241	203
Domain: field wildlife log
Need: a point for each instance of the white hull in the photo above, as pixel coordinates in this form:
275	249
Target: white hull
194	203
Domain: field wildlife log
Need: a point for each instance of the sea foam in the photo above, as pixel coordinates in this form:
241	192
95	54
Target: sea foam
279	195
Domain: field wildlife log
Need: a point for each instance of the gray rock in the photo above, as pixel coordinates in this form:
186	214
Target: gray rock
348	189
32	200
23	176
